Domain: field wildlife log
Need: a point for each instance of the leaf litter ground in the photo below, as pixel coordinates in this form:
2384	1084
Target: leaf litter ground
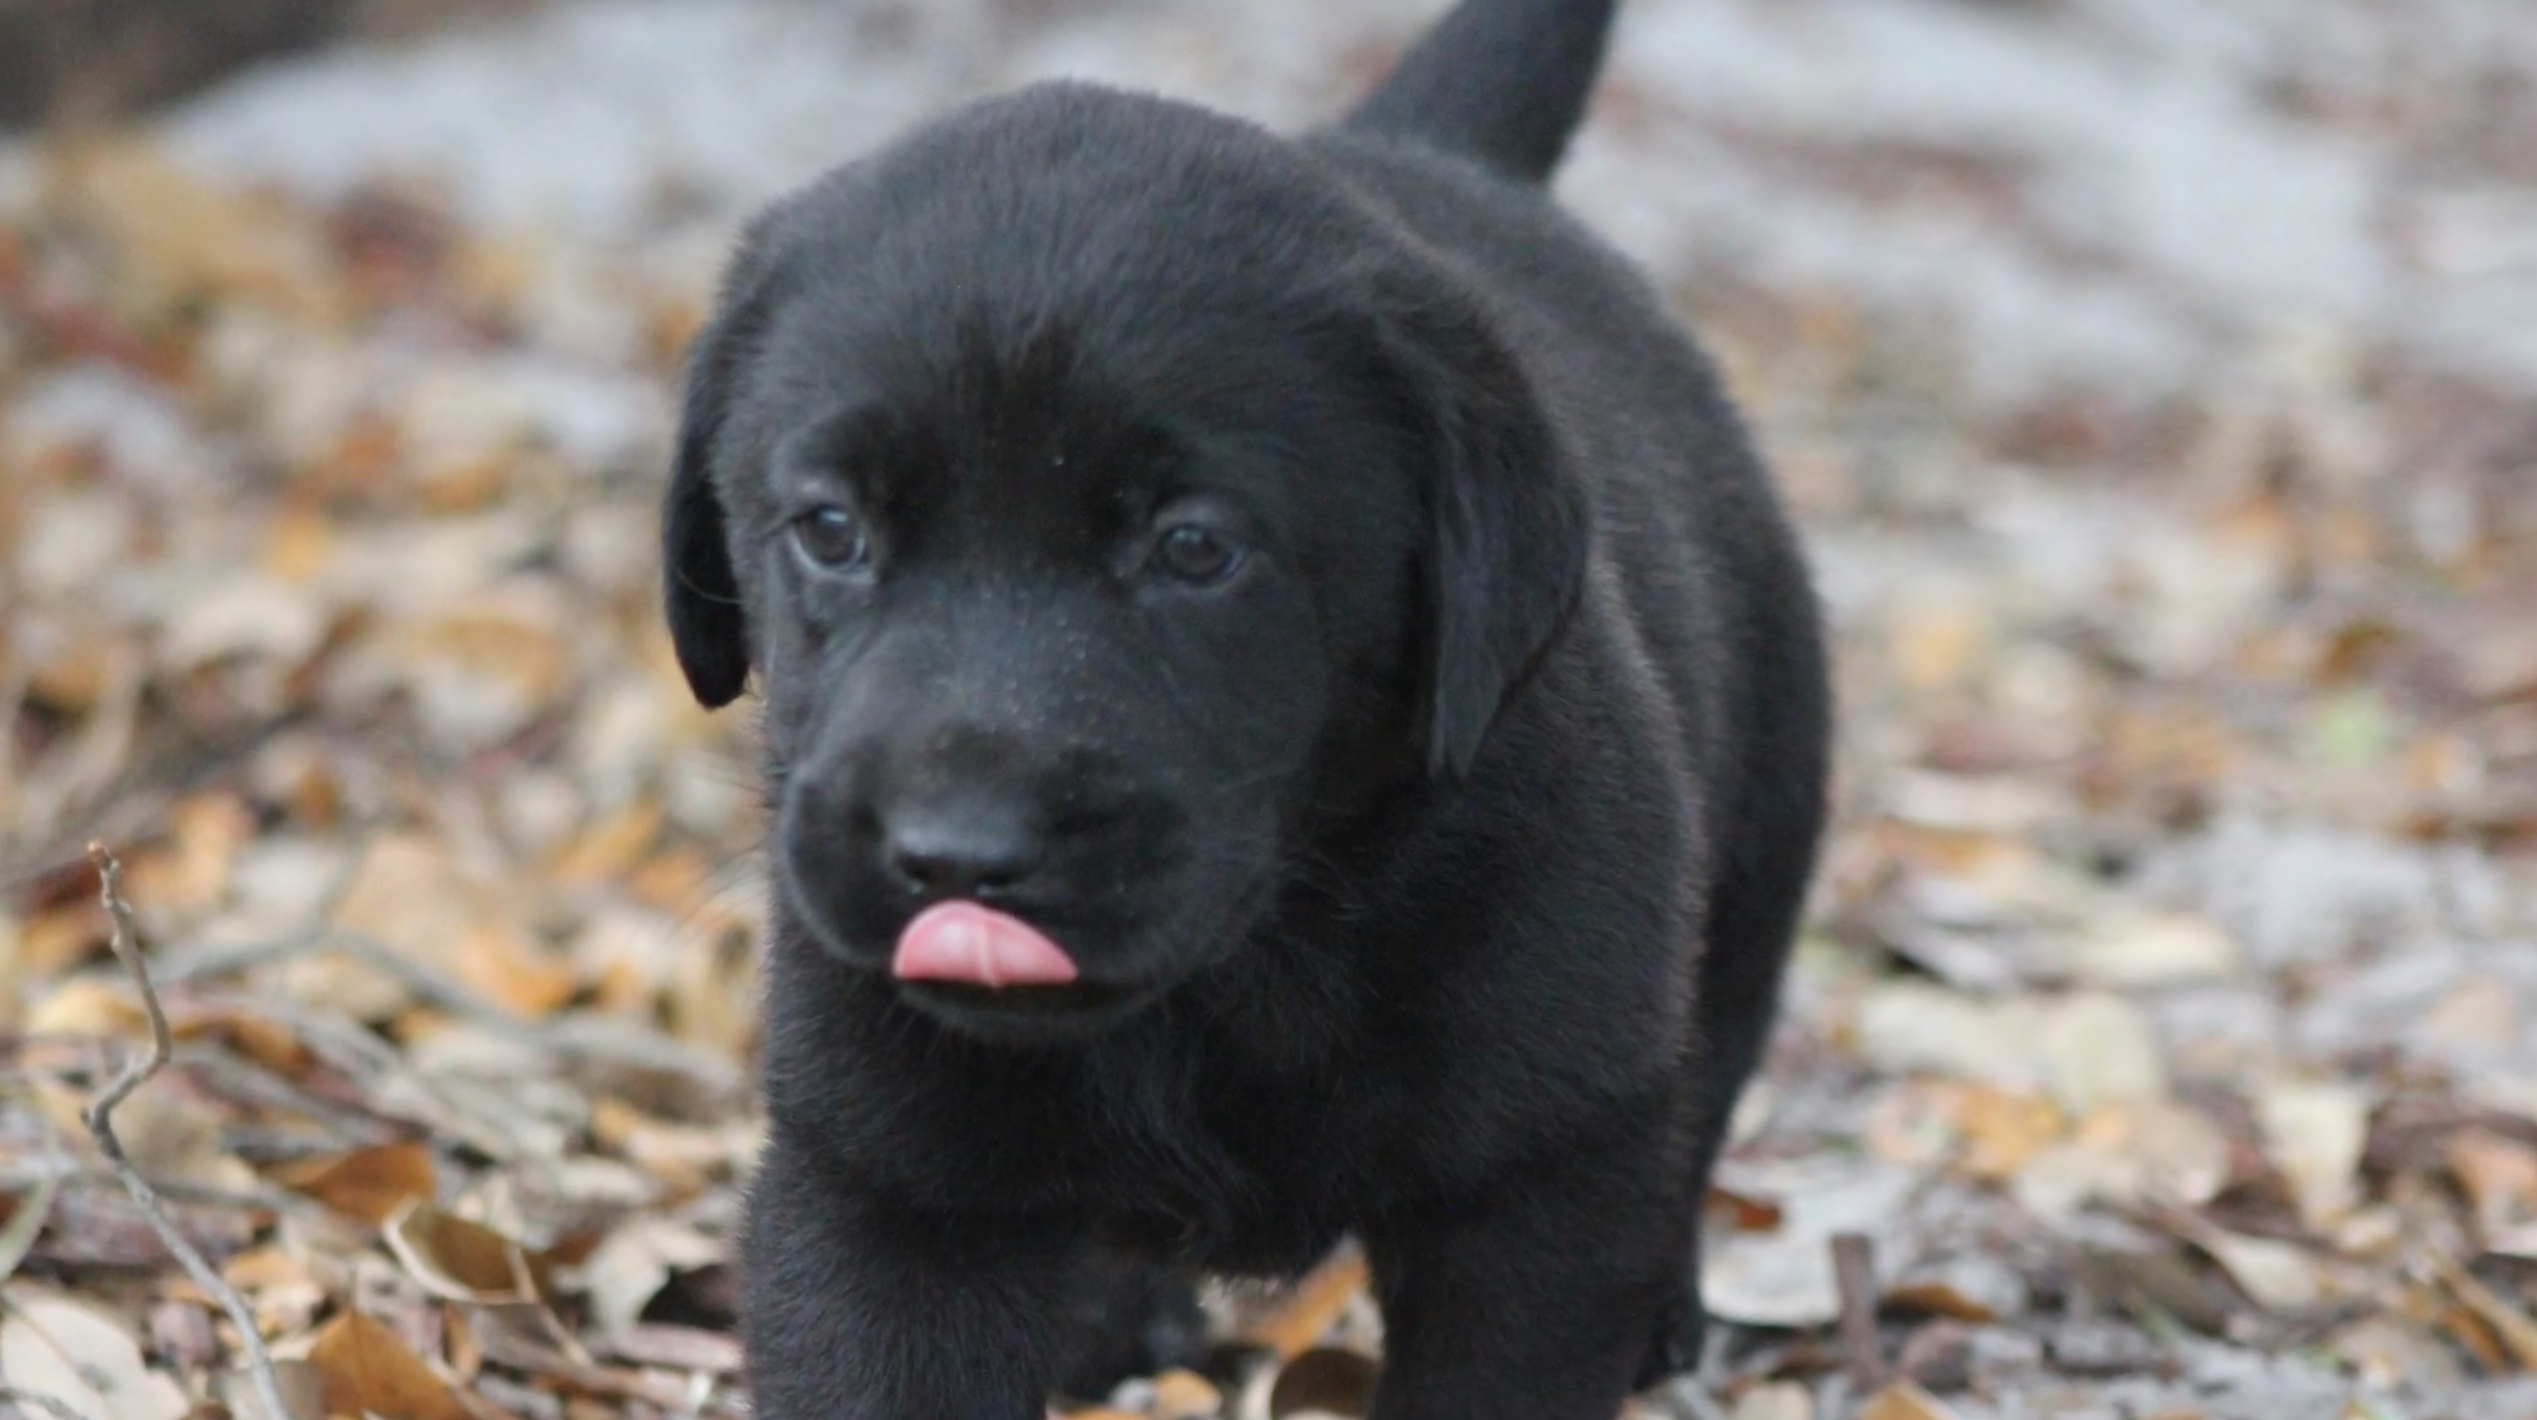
2157	1046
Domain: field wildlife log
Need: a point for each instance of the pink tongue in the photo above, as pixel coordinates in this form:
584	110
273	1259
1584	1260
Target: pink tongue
961	941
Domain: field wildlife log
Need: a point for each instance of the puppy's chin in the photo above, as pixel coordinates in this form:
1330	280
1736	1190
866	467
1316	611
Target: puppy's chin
1028	1015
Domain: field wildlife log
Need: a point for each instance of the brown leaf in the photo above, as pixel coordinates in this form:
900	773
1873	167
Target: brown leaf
1184	1395
500	961
2499	1175
2510	1326
1905	1401
2002	1130
460	1261
1325	1380
1306	1313
369	1184
368	1369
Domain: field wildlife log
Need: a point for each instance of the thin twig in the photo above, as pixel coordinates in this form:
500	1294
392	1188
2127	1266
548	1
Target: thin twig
100	1120
1854	1265
26	1225
191	1195
26	1399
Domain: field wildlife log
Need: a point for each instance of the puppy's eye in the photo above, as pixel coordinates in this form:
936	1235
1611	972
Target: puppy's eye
832	538
1199	556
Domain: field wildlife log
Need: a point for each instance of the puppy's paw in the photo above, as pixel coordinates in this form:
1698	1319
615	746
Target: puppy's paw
1130	1319
1674	1349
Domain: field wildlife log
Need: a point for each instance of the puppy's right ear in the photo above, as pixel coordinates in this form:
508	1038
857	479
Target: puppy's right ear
707	623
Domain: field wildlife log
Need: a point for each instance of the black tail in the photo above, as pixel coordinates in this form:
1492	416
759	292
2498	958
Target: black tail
1502	81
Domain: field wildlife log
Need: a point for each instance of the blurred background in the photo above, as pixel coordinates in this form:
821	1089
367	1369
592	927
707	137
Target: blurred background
2156	381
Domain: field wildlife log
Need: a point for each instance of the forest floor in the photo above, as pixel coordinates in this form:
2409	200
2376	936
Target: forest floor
2157	385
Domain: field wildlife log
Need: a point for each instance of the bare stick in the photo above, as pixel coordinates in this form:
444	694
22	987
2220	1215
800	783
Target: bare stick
101	1126
1854	1264
36	1400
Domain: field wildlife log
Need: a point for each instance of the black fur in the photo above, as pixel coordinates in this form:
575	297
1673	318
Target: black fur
1429	875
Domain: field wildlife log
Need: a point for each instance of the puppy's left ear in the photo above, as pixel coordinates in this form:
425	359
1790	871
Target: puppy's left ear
708	624
1508	522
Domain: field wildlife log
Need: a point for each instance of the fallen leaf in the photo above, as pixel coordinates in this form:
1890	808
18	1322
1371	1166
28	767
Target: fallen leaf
1184	1395
2184	1157
369	1184
1905	1027
2499	1176
2101	1050
2002	1130
2385	1354
1324	1381
460	1261
2510	1326
1779	1400
1905	1401
1785	1277
2314	1134
677	1348
2134	950
501	962
1970	1287
637	1260
1304	1315
55	1346
2277	1276
368	1369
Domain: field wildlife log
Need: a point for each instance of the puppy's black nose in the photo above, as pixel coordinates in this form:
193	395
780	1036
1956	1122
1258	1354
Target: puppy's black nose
961	850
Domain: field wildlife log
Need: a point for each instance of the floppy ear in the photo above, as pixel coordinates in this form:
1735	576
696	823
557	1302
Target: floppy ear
707	624
1506	554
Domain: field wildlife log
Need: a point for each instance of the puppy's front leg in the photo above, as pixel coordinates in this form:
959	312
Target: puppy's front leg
1533	1301
857	1310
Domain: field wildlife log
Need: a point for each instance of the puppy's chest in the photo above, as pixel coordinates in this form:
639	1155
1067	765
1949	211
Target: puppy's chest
1250	1183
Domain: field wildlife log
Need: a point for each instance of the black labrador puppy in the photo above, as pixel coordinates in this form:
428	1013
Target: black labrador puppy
1290	712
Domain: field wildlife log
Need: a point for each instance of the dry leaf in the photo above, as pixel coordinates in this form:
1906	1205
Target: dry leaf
460	1261
636	1261
504	964
369	1184
1905	1026
2133	950
55	1346
2499	1176
94	1006
1184	1395
2509	1325
1971	1288
1323	1381
1780	1400
369	1369
1304	1315
2102	1050
2314	1133
2277	1276
2184	1157
2002	1130
1785	1278
189	238
303	1388
1905	1401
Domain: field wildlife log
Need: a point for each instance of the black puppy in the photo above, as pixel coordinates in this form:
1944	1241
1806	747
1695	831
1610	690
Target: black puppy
1290	711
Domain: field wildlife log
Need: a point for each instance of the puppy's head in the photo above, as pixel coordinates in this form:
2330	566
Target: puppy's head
1109	504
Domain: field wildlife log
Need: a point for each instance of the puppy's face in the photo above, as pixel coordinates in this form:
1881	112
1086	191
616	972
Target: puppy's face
1084	483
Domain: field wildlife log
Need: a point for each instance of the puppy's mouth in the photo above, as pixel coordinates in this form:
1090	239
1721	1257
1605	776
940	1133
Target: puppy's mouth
993	975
